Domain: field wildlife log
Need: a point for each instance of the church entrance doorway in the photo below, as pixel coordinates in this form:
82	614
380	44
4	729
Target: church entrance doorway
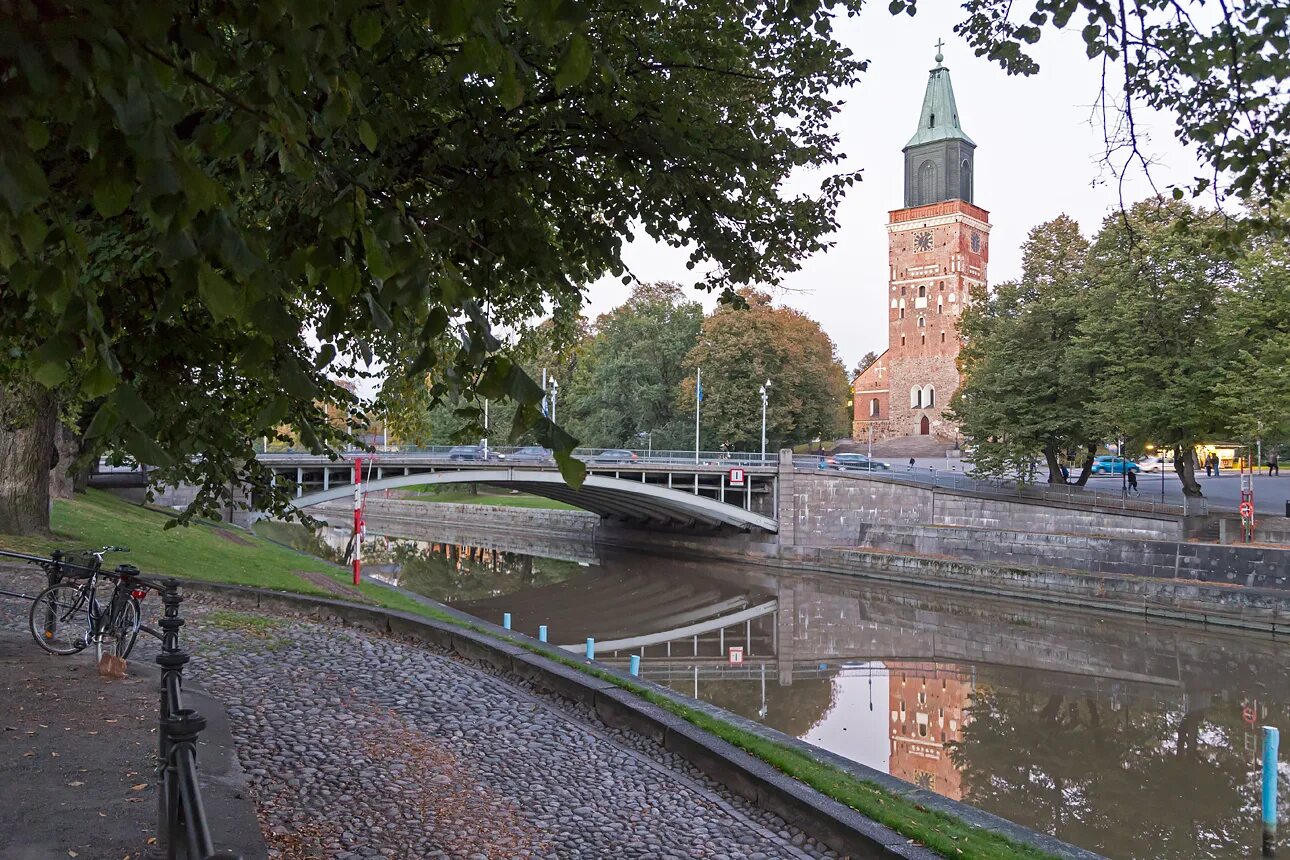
924	427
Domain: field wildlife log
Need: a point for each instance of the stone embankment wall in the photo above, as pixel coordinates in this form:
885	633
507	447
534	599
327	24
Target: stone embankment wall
490	517
830	509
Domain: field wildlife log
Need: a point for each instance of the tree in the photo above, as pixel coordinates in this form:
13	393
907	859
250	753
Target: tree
632	371
1222	76
744	345
1026	390
1253	389
209	210
864	363
1157	280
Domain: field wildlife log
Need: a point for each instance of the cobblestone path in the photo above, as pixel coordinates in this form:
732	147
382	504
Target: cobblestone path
359	745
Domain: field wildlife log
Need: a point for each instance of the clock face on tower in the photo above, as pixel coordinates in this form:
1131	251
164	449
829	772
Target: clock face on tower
976	242
923	240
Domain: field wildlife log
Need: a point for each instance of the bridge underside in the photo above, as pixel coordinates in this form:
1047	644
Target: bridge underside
632	502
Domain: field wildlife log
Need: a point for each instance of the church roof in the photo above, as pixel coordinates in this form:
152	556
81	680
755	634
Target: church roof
939	119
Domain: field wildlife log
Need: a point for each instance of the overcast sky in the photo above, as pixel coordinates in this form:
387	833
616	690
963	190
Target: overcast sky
1037	156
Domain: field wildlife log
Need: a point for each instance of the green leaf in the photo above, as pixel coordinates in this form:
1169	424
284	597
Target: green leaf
145	449
22	181
48	361
573	470
575	63
132	407
366	29
37	134
222	299
112	196
366	135
99	381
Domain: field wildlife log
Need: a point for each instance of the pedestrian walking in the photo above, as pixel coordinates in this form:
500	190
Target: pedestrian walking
911	464
1214	457
1133	481
1274	464
1209	465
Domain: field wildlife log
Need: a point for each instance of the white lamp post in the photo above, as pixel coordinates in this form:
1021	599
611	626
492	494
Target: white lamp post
555	388
765	397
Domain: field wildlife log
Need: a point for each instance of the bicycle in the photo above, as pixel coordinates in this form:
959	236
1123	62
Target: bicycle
67	617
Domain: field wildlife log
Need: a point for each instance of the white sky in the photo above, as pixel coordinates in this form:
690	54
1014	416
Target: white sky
1037	156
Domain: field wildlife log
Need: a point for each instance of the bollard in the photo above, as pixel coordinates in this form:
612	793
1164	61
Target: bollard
506	620
636	665
1271	738
542	633
591	648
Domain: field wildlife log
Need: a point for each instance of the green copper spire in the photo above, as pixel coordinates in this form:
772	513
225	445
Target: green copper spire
940	117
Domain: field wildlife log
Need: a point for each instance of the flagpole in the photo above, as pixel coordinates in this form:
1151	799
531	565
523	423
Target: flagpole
698	399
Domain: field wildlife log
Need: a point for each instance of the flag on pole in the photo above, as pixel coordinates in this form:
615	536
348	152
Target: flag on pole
698	387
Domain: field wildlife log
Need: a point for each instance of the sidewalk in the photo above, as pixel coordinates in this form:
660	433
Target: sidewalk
77	753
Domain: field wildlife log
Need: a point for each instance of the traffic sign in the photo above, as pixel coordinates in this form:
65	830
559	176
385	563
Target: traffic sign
1247	509
736	655
736	478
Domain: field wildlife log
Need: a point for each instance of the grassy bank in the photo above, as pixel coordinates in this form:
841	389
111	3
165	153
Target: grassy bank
219	554
428	493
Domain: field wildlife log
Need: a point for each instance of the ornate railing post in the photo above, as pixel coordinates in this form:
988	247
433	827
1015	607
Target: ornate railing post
181	731
171	660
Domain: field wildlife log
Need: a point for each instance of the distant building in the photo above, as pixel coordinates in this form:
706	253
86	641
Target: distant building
938	249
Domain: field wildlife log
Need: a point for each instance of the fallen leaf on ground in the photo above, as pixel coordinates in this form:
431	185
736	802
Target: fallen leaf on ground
140	787
77	782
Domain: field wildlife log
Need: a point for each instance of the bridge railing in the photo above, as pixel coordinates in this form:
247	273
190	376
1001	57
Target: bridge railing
1068	494
527	456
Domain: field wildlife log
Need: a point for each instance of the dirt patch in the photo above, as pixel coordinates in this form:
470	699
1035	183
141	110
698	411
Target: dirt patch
234	537
331	586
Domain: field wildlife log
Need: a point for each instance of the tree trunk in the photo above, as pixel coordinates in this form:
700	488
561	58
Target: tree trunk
67	447
27	420
1185	466
1087	470
1054	467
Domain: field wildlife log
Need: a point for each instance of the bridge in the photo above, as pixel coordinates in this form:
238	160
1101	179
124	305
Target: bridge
667	489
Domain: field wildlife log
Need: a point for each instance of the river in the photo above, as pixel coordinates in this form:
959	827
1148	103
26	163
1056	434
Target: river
1134	739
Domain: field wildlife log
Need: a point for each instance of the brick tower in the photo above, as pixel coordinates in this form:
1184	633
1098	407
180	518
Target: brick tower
938	246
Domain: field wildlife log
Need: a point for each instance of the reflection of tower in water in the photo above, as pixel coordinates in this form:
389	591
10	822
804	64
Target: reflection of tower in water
928	705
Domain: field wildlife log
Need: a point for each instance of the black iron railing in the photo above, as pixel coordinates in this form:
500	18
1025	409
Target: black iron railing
183	833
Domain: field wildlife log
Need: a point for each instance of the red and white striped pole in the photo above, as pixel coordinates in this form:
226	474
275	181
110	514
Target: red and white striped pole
358	519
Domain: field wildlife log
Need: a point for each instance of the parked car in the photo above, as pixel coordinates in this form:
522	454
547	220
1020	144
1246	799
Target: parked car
857	463
531	454
613	455
1108	465
472	452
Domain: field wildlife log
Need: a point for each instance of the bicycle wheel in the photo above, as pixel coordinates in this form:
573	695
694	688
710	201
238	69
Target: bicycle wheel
119	633
58	619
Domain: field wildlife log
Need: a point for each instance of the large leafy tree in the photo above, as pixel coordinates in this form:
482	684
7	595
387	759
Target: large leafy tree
1157	280
743	345
1026	387
207	210
633	369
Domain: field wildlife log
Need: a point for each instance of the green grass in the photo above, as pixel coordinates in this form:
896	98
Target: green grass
426	493
219	554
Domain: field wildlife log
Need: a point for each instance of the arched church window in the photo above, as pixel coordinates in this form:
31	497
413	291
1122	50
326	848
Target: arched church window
922	291
942	337
927	182
965	181
902	313
929	396
873	407
921	322
915	397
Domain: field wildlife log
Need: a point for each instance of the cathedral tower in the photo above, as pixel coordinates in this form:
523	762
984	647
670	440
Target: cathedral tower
938	246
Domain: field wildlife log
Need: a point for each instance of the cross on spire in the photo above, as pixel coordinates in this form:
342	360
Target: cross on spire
940	43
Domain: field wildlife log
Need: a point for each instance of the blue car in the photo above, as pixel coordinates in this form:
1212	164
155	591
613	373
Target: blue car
1108	465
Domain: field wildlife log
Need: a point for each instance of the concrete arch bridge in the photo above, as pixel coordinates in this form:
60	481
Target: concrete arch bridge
644	492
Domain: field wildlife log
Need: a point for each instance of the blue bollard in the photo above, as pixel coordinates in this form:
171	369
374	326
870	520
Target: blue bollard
591	648
636	665
506	620
1271	739
542	633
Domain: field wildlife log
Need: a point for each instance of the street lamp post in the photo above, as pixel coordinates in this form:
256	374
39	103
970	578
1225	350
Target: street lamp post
765	398
555	389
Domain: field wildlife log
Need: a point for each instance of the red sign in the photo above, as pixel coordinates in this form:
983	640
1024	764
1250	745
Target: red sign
1247	509
736	655
736	478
